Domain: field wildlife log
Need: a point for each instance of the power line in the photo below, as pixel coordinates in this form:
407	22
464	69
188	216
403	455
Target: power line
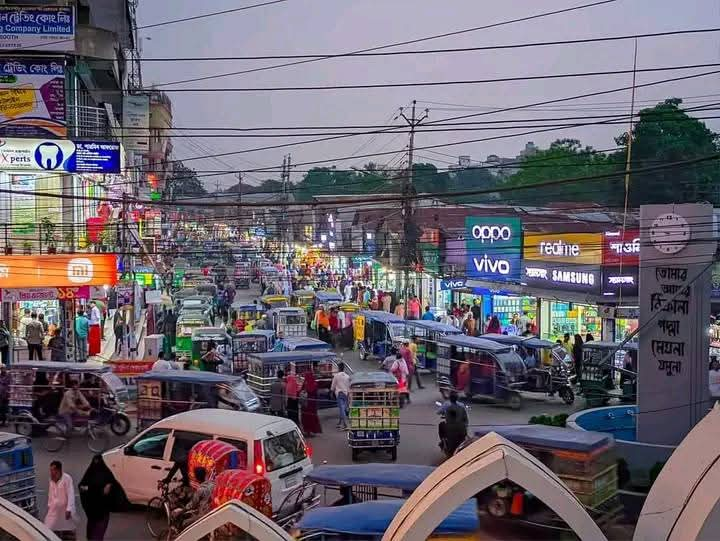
213	14
400	43
433	51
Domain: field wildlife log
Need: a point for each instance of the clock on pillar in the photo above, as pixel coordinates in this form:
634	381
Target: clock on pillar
669	233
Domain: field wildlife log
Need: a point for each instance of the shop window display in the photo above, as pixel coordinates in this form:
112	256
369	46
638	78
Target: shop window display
573	319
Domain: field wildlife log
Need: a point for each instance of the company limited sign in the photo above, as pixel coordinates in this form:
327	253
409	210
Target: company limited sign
621	248
49	28
59	155
573	248
494	248
584	278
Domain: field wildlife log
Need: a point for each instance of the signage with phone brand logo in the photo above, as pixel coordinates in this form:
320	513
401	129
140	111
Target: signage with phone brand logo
573	248
454	283
583	278
68	272
619	248
494	248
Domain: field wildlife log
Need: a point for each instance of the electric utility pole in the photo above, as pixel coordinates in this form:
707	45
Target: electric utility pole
408	250
284	226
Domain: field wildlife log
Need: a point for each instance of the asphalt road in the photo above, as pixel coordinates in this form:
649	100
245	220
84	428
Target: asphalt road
418	444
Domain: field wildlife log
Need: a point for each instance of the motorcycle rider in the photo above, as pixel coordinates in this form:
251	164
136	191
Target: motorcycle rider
453	430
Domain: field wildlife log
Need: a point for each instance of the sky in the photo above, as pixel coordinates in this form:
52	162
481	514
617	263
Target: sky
337	26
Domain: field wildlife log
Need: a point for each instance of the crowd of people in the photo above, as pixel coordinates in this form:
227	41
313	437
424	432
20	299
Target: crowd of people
296	398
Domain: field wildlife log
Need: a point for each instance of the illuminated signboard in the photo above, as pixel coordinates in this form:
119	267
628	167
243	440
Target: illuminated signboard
582	278
573	248
72	270
619	248
494	248
618	282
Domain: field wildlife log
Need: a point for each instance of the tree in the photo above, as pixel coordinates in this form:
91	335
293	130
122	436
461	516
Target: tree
665	134
184	182
331	181
566	158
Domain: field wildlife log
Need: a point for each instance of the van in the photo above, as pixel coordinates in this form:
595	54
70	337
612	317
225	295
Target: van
272	446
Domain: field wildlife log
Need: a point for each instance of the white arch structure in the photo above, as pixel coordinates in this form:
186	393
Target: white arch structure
682	504
239	514
489	460
23	525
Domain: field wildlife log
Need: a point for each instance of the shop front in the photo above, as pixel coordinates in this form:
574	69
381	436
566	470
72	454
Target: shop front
565	270
54	286
621	278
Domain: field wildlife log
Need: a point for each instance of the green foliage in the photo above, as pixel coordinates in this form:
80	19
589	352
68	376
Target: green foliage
184	182
331	181
547	420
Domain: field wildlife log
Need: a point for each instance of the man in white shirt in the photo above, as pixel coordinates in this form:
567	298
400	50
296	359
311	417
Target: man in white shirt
61	516
341	387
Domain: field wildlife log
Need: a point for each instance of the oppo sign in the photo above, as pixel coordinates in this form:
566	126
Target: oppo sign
494	248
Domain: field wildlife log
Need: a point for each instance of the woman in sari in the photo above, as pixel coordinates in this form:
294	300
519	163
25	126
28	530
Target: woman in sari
310	419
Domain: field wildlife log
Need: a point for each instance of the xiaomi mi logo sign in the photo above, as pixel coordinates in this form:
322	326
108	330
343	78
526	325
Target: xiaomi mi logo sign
80	270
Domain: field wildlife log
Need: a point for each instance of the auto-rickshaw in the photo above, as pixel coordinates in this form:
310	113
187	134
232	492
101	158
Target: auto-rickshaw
291	321
305	299
202	337
241	275
585	461
383	330
246	342
305	343
263	369
269	302
183	294
196	302
374	405
207	289
186	323
166	392
603	375
242	311
545	361
17	475
37	388
427	333
325	298
480	368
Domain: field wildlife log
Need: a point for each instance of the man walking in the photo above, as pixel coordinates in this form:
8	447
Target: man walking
81	336
61	515
94	330
277	395
34	334
341	387
413	347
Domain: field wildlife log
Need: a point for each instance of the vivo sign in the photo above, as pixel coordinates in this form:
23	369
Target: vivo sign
494	248
450	284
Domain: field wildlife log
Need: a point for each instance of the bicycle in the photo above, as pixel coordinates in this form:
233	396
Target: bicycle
163	520
96	430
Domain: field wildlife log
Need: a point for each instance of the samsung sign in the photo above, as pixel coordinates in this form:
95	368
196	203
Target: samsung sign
584	278
494	248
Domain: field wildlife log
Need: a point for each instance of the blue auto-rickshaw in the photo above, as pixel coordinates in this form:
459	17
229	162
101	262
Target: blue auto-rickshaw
427	333
247	342
368	521
383	330
305	343
325	298
17	474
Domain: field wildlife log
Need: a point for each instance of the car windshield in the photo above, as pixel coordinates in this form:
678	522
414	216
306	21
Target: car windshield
283	450
397	330
511	362
294	319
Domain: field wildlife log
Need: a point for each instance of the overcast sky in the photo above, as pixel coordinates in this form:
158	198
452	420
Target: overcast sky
335	26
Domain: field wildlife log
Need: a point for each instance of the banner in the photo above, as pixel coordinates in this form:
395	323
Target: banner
621	249
32	97
37	28
61	270
46	294
494	248
59	155
136	123
574	248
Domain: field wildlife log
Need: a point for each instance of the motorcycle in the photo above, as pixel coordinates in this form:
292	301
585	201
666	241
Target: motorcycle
447	448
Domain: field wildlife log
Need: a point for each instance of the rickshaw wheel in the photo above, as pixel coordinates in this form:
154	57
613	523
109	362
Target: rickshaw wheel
55	437
120	424
354	454
567	395
24	429
515	401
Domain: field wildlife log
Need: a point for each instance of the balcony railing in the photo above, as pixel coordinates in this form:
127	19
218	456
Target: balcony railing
87	122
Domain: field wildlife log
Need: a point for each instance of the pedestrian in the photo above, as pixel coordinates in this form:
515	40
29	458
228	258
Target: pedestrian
524	321
280	345
81	336
468	325
61	515
386	302
388	361
4	394
41	319
494	326
414	308
94	330
577	352
310	420
334	320
400	309
567	343
292	393
589	338
98	489
34	335
476	310
4	344
528	330
399	369
428	315
323	325
277	395
57	346
341	387
413	347
120	331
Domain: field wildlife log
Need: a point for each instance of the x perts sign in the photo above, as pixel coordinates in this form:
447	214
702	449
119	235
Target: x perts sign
494	248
